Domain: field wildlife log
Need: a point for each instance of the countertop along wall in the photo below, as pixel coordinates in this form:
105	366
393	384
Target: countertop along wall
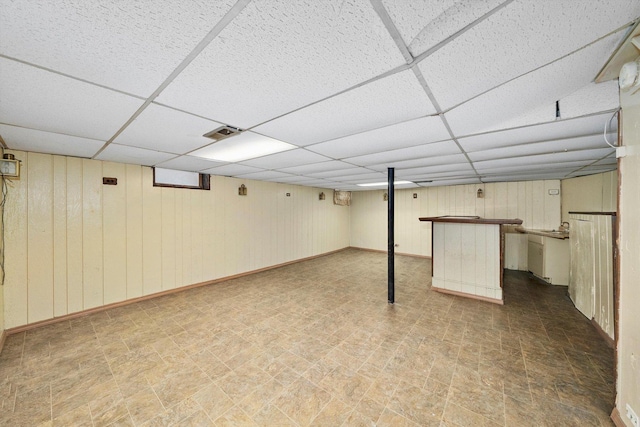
74	244
529	201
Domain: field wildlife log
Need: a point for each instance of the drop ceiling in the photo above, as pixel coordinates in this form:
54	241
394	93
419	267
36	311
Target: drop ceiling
449	92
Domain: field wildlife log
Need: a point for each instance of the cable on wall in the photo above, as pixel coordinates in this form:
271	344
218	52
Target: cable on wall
607	125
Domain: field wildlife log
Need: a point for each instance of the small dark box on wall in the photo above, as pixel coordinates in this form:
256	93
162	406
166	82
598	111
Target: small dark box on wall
110	181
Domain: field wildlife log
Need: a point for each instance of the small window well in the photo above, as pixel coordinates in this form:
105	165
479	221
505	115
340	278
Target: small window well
180	179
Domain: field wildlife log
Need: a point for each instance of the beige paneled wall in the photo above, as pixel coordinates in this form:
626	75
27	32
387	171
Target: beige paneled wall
529	201
74	243
593	193
628	385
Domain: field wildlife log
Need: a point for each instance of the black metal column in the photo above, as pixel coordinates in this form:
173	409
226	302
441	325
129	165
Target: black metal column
390	242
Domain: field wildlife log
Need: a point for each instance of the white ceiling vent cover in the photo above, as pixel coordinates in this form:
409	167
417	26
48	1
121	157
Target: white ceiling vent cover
222	133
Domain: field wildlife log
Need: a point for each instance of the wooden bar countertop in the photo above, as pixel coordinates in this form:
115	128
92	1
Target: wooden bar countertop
470	220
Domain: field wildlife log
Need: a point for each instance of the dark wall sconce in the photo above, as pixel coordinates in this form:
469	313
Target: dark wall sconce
385	197
321	196
242	190
415	195
480	193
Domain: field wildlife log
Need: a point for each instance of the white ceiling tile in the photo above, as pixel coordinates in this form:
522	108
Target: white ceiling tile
330	174
543	158
286	159
18	138
557	146
127	45
387	101
514	170
522	36
293	179
456	181
165	129
560	129
232	170
434	149
593	98
188	163
361	178
329	166
456	168
321	183
533	90
264	175
406	134
421	162
133	155
279	55
46	101
423	24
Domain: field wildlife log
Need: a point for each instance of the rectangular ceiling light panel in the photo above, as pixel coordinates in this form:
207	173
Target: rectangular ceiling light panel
405	134
247	145
541	87
279	55
394	99
521	37
127	45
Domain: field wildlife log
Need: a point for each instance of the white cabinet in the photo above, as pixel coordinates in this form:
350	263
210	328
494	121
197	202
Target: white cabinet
549	259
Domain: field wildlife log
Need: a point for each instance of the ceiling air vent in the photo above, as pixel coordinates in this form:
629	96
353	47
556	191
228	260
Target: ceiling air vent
222	133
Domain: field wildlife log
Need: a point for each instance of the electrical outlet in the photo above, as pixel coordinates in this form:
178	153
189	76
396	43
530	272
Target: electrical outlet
632	416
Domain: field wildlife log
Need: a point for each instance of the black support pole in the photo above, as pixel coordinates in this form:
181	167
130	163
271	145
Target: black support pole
390	244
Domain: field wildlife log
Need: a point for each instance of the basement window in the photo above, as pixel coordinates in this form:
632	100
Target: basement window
180	179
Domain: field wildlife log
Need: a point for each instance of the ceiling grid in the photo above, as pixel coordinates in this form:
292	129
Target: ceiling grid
447	93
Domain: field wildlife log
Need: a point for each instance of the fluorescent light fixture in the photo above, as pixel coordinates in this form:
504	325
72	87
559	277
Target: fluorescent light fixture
380	184
247	145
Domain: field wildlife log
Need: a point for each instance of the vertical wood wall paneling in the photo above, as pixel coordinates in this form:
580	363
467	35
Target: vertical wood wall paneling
151	234
60	306
169	253
75	288
483	258
114	225
16	251
196	235
208	226
133	190
524	200
92	242
40	237
187	247
469	251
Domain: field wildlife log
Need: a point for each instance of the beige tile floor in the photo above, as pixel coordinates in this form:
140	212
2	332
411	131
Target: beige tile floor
315	343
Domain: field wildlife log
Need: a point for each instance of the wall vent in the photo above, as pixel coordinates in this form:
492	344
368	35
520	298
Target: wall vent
222	133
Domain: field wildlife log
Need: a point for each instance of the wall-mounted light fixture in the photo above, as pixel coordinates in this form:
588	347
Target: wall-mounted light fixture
480	193
385	197
242	190
321	196
415	195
